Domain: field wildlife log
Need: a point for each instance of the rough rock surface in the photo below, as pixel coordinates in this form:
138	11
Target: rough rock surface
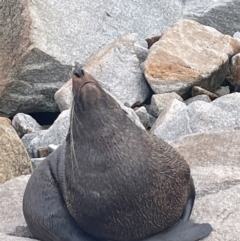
222	90
117	68
160	101
63	96
33	83
197	97
24	124
56	134
39	48
180	59
14	160
220	14
179	119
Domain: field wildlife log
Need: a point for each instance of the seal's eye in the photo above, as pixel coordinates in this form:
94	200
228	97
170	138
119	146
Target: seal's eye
78	72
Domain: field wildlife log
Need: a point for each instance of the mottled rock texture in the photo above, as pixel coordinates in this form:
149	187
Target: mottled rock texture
14	160
189	54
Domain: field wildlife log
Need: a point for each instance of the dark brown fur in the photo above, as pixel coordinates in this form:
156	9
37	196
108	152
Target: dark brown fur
121	183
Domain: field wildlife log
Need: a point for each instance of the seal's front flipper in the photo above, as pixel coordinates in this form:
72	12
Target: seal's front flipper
183	231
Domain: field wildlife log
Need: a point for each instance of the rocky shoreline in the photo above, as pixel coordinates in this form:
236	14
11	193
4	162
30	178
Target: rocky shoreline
180	84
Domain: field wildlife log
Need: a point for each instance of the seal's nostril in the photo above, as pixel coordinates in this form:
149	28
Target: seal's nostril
78	72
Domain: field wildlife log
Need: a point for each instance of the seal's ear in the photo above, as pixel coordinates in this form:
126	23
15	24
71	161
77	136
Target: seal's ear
78	72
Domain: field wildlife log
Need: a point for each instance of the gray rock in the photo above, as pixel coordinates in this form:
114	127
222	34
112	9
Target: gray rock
212	13
100	23
24	124
180	59
11	194
223	90
33	83
56	134
197	97
179	120
42	40
213	157
146	119
117	68
236	35
160	101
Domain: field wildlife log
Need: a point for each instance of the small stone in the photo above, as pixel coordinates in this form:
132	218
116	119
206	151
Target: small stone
52	148
223	90
196	90
198	97
5	121
43	152
24	124
160	101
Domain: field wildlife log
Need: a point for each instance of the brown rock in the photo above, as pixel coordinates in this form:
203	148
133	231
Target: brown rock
43	152
196	90
5	121
14	160
189	54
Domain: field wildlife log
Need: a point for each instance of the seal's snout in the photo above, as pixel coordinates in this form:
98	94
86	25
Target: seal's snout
78	72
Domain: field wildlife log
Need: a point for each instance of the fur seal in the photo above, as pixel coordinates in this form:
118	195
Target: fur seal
110	180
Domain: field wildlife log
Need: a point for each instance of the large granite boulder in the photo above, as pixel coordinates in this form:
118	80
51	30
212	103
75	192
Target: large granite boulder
189	54
220	14
41	40
14	160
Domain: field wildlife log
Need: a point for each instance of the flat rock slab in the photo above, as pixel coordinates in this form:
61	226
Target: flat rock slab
178	119
180	59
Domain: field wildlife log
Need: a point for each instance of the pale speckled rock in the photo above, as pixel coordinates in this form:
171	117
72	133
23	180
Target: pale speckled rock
117	68
33	83
56	134
64	97
220	14
180	59
214	160
14	160
160	101
11	194
197	97
234	70
39	45
179	119
24	124
236	35
100	23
